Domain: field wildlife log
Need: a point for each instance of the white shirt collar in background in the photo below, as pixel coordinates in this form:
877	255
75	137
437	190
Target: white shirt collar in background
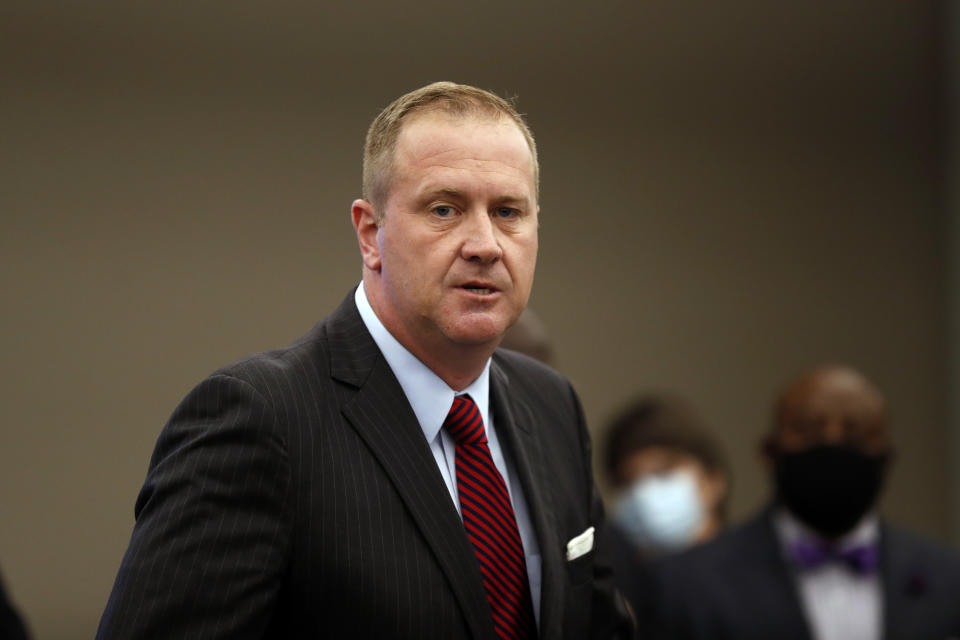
839	603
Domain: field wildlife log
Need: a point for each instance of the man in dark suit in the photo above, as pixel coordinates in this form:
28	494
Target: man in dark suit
391	474
818	563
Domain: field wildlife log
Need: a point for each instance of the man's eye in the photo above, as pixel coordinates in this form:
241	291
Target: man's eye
808	425
507	212
443	211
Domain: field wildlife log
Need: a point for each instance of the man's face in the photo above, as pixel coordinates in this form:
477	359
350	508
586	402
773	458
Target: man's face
830	450
455	253
832	407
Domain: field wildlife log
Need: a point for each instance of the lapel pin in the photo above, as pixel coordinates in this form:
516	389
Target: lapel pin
916	585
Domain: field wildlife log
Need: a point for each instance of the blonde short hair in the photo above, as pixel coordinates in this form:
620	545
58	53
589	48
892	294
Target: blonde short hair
457	100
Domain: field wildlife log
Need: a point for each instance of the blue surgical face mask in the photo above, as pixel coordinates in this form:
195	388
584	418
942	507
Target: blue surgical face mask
660	512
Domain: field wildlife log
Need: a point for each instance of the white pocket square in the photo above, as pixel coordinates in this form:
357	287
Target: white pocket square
580	544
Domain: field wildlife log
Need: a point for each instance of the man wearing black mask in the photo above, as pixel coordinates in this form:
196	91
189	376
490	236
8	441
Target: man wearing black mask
818	563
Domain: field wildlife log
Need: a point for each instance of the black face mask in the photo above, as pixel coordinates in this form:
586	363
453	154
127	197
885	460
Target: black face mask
829	488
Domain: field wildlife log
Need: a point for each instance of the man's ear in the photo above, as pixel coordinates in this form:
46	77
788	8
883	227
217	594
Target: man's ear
365	223
767	452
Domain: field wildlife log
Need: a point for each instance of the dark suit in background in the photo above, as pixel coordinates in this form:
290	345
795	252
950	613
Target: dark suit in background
740	587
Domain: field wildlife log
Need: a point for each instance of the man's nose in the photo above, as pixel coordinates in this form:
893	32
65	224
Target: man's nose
480	243
834	431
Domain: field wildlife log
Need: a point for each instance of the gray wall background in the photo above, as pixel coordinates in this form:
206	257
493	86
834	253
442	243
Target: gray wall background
731	192
951	154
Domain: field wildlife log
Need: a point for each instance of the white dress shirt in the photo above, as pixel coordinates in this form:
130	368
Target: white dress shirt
431	399
839	603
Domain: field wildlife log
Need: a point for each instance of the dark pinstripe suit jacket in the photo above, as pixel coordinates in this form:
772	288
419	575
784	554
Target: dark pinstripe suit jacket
293	495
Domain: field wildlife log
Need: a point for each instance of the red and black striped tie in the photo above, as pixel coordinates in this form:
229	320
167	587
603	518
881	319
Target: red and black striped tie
490	524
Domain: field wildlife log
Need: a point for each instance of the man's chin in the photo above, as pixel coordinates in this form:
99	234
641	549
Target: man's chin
476	334
478	340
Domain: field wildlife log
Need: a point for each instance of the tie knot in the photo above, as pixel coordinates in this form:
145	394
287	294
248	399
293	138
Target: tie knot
464	422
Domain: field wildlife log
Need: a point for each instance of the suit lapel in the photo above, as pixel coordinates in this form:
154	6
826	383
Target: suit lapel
768	580
518	430
381	415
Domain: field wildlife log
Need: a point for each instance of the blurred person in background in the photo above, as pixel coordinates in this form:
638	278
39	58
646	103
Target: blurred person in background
528	336
818	562
670	483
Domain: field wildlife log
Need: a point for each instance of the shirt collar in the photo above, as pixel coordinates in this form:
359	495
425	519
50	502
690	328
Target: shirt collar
429	396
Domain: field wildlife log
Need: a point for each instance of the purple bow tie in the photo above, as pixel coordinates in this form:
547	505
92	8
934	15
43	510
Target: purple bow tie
863	559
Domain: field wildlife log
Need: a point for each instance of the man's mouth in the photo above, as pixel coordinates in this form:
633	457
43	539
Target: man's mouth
478	290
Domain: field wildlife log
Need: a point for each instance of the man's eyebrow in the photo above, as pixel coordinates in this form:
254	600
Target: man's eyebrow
450	192
512	199
442	191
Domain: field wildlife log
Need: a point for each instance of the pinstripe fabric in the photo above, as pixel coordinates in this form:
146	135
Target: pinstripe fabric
490	523
292	495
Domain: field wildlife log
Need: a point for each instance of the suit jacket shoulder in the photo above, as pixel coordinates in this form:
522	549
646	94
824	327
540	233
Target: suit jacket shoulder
11	625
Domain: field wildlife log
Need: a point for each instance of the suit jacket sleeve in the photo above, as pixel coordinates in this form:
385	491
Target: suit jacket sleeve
11	626
209	546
